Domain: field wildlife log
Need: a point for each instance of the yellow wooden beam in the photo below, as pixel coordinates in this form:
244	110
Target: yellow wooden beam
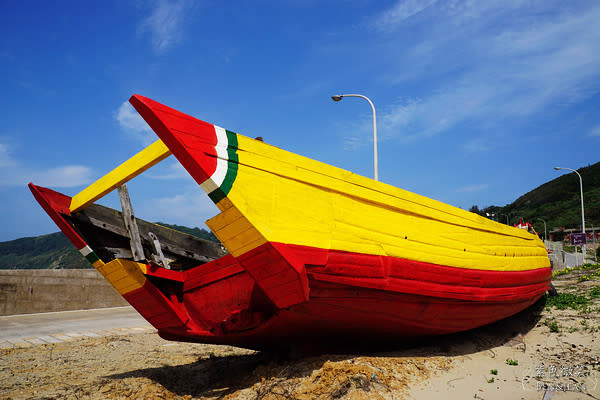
131	168
125	276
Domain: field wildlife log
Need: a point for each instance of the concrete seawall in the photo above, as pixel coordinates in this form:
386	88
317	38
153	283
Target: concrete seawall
44	290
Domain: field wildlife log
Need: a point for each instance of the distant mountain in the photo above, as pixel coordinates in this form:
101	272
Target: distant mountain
54	251
51	251
201	233
558	202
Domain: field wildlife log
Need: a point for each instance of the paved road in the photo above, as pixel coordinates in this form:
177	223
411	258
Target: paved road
54	327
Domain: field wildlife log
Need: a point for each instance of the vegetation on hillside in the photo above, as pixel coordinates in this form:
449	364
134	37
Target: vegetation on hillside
558	202
201	233
54	251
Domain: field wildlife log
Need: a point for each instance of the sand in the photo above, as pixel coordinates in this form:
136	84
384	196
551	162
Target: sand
522	357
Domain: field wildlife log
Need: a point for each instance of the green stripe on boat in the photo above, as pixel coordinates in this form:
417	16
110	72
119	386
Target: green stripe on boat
232	166
89	254
92	257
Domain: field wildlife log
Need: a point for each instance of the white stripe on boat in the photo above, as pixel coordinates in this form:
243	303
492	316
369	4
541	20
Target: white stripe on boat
217	178
85	251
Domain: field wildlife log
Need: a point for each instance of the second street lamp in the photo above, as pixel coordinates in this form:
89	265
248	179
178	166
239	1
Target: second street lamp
339	97
582	213
539	219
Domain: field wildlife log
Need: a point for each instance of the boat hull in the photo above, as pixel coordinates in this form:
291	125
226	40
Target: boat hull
316	253
361	308
352	297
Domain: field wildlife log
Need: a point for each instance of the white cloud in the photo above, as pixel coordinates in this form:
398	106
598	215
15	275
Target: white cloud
63	177
165	23
352	143
506	70
134	125
472	188
401	11
476	145
15	173
417	118
169	171
594	132
5	158
191	208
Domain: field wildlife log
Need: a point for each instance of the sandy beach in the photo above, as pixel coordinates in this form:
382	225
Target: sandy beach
551	347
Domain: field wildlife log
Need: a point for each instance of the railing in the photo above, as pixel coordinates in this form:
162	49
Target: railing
562	259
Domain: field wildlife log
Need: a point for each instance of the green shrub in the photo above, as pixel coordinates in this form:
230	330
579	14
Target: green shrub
554	327
567	300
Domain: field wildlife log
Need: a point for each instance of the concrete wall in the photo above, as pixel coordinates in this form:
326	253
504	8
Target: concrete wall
43	290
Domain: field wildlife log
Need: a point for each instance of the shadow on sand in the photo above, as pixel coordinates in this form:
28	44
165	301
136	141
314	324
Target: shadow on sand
217	377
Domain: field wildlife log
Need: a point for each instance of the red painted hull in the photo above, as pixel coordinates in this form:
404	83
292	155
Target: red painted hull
399	299
343	295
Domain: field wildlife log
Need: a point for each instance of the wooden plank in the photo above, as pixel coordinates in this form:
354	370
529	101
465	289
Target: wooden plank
158	255
131	168
103	228
130	224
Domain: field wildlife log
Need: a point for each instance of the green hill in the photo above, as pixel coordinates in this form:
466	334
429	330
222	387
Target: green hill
54	251
51	251
201	233
558	202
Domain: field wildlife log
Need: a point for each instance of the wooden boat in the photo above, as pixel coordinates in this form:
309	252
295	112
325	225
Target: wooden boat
314	252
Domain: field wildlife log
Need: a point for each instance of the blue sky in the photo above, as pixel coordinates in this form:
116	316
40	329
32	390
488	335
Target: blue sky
476	100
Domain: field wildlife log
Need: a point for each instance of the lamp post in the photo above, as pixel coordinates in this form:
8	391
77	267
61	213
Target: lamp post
582	213
544	228
339	97
506	218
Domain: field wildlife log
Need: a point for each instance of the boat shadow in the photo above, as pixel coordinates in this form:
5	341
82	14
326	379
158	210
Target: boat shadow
219	376
509	331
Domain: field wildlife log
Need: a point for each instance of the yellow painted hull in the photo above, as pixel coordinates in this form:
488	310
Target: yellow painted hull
292	199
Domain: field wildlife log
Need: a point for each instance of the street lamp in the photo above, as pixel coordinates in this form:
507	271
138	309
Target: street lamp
339	97
582	213
544	228
506	218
